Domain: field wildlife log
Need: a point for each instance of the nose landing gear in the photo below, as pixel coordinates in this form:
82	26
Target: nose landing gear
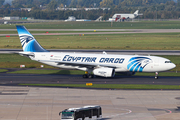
156	75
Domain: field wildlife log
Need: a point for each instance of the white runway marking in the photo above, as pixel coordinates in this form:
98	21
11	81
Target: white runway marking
116	115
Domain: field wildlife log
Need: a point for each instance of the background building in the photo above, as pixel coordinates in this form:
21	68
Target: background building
11	18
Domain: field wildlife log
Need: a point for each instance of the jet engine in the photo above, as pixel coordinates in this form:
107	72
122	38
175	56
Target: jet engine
104	72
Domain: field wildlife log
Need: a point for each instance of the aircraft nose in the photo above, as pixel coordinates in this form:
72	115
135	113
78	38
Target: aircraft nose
171	66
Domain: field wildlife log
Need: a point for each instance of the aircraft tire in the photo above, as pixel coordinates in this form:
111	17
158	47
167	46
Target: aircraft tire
91	76
85	76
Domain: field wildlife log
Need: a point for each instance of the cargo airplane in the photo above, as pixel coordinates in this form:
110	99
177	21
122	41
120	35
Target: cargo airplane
123	17
104	65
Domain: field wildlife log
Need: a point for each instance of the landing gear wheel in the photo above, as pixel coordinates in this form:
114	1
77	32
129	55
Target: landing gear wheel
85	76
88	76
91	76
156	76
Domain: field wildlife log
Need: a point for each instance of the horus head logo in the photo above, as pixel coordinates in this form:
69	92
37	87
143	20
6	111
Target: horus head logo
25	39
138	63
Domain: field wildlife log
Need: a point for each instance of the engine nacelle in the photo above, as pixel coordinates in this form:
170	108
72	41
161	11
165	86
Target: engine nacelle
104	72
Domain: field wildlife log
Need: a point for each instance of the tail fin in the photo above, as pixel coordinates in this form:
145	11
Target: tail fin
136	12
28	42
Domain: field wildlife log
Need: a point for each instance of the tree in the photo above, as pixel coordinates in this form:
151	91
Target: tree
106	3
1	12
52	5
61	6
73	3
24	3
64	2
7	5
44	2
7	12
1	2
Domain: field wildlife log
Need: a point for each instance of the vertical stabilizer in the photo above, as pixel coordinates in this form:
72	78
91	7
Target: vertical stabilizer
136	12
28	42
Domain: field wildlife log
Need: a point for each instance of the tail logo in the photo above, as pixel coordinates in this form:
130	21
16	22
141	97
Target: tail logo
28	42
25	39
138	63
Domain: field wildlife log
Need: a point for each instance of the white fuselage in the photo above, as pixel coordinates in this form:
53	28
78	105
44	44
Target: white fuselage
104	65
124	16
121	63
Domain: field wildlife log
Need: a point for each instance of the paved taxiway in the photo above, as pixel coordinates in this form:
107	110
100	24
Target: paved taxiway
108	30
14	79
120	31
37	103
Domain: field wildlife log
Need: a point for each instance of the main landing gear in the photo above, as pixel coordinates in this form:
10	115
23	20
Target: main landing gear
156	75
86	75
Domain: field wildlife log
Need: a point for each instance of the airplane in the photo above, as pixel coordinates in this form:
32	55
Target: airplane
103	65
123	17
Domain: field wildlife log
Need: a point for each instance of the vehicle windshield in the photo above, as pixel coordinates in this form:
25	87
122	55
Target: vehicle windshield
67	115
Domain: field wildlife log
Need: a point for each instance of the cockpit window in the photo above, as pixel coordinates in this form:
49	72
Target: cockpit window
168	62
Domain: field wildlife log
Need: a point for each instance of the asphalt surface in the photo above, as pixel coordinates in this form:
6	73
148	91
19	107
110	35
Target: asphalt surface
113	31
42	103
14	79
108	30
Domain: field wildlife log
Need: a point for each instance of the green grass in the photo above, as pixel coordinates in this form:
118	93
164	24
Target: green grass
100	25
112	86
3	70
159	41
15	60
15	32
41	71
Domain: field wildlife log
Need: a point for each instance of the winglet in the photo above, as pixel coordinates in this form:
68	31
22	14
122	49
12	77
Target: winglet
28	42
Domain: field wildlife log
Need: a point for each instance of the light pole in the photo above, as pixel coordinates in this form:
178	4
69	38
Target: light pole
103	13
156	13
81	12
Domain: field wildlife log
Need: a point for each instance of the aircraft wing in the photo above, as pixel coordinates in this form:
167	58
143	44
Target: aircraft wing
88	65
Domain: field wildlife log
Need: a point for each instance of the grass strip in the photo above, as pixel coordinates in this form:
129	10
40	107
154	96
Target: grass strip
41	71
99	25
3	70
111	86
156	41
